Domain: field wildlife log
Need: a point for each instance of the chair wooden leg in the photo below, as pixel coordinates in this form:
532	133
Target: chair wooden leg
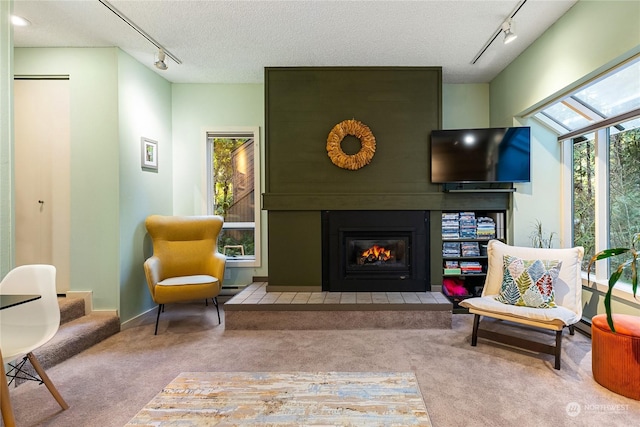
476	324
5	403
558	348
160	308
47	382
572	329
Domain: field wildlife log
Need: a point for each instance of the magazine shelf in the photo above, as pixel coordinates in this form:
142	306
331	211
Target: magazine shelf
464	254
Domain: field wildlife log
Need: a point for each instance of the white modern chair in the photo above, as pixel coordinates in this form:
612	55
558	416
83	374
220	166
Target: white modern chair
26	327
568	297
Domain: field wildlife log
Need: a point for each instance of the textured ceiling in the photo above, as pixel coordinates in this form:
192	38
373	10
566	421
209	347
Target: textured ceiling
232	41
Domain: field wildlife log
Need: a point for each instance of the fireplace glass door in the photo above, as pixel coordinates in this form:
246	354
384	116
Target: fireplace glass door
374	255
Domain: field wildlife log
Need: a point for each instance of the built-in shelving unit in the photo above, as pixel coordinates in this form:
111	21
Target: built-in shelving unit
465	235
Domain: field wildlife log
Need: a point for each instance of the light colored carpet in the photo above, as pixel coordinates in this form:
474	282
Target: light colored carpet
490	385
287	399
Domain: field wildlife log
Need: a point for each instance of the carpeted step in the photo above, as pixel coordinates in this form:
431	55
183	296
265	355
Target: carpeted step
70	309
76	336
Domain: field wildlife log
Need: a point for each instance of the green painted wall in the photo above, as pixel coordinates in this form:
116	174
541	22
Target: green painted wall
589	39
295	245
465	106
197	108
114	101
592	37
95	157
400	106
144	110
7	233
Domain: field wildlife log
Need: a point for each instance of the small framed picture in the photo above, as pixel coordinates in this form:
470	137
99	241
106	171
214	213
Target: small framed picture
149	154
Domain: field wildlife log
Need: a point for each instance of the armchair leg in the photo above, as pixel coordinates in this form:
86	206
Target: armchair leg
215	301
476	324
160	308
558	348
572	329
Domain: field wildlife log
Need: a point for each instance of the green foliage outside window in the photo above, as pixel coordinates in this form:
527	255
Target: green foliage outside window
624	191
584	223
223	173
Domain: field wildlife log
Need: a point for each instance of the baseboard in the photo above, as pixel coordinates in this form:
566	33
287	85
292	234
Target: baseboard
584	327
260	279
136	321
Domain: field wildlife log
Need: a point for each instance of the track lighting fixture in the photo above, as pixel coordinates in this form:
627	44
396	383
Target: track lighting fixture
162	52
506	28
509	35
160	64
19	21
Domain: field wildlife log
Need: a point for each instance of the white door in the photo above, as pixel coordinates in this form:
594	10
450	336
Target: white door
41	168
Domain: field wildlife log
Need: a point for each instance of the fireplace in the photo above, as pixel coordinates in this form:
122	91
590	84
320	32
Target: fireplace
375	251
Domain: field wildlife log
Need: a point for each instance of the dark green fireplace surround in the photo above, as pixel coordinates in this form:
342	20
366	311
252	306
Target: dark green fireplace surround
401	106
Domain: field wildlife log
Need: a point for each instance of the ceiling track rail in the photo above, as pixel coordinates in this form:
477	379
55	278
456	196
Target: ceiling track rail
139	30
497	33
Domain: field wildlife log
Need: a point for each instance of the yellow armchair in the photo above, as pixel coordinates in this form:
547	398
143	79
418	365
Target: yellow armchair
186	264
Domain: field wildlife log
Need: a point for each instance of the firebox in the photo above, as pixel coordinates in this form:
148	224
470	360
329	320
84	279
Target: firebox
375	251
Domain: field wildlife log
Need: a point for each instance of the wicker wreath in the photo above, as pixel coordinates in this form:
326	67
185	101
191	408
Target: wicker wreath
367	143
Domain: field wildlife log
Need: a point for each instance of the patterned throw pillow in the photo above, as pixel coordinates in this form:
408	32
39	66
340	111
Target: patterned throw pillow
529	282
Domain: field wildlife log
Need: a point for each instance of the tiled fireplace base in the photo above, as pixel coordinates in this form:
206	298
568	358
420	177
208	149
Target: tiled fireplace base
254	308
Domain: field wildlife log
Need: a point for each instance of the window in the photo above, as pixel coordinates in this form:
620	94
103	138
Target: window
599	124
584	207
624	183
233	172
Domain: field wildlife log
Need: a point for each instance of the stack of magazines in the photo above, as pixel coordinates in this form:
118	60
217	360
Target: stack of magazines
450	249
470	249
450	225
468	225
452	267
486	228
470	267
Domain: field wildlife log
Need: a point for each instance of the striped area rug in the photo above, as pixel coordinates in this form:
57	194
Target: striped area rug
287	399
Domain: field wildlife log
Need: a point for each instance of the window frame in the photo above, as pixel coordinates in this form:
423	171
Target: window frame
236	132
599	126
599	278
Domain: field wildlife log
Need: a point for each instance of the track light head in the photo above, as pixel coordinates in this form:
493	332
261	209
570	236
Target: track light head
160	64
19	21
509	35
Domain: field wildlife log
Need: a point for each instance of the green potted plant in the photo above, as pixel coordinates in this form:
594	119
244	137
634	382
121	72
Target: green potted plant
631	262
537	236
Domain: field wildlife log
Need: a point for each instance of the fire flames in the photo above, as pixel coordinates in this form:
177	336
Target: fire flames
376	253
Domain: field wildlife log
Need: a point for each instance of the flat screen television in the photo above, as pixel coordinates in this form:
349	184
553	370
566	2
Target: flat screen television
491	155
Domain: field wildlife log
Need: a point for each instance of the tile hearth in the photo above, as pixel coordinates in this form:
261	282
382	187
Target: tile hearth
255	308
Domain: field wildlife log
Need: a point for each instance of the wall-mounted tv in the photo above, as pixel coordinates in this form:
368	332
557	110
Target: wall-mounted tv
491	155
